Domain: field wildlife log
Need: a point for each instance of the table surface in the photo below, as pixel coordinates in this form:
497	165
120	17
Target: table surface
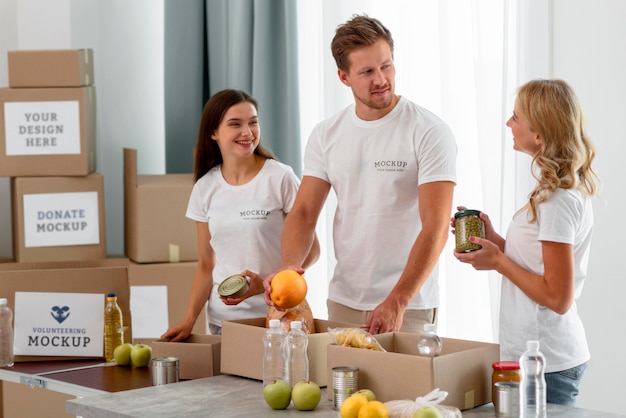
232	396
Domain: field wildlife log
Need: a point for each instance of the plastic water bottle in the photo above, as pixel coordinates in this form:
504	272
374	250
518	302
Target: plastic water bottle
429	344
6	334
533	385
275	353
113	327
297	343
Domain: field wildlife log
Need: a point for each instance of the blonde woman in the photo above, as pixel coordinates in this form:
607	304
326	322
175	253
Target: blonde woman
543	259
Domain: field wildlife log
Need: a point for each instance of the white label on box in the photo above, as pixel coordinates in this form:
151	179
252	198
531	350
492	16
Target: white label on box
59	324
42	128
149	307
59	219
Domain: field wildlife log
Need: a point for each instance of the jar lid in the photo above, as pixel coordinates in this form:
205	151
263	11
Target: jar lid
466	212
231	285
505	365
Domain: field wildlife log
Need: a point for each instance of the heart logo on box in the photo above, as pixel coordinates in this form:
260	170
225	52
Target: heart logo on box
60	314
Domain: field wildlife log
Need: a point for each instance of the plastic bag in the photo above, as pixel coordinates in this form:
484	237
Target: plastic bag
302	312
406	408
355	337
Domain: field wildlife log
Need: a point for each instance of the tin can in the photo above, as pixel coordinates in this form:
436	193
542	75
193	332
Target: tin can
164	370
345	383
468	224
506	401
234	286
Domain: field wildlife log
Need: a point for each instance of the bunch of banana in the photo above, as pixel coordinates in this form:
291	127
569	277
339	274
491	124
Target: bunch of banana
356	337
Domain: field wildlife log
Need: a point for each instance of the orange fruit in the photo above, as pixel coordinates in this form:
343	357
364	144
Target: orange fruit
351	406
374	409
288	289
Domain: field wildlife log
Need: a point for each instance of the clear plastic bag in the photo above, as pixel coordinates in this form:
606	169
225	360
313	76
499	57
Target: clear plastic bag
406	408
302	313
355	337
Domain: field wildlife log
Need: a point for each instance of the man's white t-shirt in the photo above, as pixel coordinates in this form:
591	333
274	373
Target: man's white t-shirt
375	168
246	223
566	217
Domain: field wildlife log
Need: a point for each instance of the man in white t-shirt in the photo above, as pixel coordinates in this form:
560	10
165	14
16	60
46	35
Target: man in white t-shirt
392	165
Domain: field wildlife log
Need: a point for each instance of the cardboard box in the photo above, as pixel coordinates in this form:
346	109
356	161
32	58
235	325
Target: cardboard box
98	276
198	355
58	218
463	369
47	131
51	68
177	279
242	348
156	229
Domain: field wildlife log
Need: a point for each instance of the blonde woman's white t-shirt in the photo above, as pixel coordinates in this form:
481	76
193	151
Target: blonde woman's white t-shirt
375	168
566	217
246	223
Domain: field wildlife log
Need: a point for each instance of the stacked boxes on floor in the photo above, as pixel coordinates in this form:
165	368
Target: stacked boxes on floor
161	243
47	147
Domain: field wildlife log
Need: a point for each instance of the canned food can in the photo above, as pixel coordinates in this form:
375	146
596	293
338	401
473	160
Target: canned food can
164	370
345	381
468	224
234	286
506	401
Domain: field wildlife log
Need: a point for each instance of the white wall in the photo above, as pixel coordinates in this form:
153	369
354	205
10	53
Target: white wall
589	51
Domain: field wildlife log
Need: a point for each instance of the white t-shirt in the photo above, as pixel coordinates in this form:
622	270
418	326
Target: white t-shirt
566	217
246	223
375	168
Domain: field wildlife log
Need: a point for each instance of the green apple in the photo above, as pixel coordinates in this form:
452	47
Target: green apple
277	394
427	411
140	355
368	393
121	354
306	395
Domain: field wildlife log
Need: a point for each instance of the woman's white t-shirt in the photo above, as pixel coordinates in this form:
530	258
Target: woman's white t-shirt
565	217
246	223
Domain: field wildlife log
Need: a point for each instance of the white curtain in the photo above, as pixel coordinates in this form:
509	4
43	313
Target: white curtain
462	60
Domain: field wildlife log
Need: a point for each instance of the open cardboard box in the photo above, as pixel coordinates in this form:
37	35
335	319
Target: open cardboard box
198	356
156	229
463	369
98	276
242	348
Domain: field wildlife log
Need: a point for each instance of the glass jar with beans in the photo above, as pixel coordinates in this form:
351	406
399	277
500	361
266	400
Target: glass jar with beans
468	224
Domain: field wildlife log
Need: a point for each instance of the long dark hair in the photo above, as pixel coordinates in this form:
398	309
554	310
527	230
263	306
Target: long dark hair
208	154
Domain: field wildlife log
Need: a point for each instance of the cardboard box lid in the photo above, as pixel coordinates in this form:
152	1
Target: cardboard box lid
98	276
198	355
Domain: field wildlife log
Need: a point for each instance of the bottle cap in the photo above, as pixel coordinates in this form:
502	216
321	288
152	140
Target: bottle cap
3	301
111	295
296	324
505	365
274	323
430	327
532	345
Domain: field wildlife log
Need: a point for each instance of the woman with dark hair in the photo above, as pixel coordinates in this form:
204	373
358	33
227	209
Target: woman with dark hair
239	202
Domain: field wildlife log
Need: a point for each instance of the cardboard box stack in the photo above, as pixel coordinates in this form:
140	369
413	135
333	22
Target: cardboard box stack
161	243
47	147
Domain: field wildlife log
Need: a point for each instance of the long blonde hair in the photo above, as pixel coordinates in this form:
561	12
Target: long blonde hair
564	161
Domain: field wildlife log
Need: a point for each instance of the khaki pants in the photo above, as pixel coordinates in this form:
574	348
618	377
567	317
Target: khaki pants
413	320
